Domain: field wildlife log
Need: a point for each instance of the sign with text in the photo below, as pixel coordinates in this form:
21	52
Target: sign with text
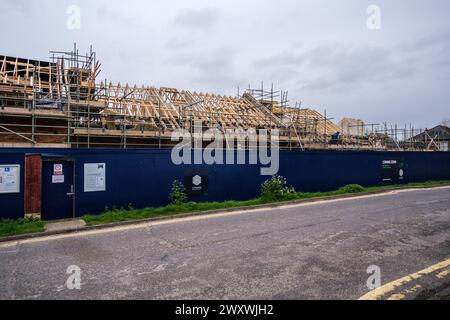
58	178
94	177
10	178
393	170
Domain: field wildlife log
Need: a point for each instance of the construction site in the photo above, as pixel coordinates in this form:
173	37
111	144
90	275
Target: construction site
62	103
71	143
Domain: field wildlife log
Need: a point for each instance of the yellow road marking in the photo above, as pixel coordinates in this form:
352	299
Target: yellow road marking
402	295
443	274
390	287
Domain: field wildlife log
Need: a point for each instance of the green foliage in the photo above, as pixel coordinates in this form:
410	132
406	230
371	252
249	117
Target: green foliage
177	194
171	209
351	188
20	226
276	189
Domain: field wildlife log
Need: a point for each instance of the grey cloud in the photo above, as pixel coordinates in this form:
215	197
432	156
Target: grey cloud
437	39
206	60
320	52
22	6
335	66
350	67
286	59
178	43
106	14
202	18
220	60
210	69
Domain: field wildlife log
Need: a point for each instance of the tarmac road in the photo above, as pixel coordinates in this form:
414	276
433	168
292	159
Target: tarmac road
308	251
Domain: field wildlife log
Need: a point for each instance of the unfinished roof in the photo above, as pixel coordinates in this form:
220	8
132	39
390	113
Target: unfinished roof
54	85
61	103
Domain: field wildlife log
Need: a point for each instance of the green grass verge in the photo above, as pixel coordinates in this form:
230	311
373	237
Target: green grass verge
117	215
21	226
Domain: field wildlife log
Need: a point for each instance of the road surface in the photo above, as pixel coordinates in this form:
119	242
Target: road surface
309	251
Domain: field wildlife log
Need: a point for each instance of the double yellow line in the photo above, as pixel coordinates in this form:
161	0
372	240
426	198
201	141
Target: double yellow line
399	289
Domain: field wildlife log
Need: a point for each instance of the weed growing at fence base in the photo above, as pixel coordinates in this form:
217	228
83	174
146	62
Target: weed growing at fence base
30	225
21	226
118	215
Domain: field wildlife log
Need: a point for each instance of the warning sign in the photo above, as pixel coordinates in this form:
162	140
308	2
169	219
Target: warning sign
57	169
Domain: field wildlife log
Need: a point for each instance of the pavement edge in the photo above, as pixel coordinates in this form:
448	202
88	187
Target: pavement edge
209	212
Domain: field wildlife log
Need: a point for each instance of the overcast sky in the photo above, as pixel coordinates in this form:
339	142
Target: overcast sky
320	51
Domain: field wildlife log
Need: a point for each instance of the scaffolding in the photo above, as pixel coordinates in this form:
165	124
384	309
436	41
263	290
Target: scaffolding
63	103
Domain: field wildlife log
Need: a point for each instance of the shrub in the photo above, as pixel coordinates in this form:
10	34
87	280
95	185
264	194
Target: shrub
177	194
276	189
351	188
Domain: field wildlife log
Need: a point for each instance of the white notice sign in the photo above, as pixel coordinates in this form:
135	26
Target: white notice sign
10	178
57	179
94	177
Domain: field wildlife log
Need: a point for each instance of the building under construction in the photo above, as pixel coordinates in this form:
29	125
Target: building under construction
62	103
71	144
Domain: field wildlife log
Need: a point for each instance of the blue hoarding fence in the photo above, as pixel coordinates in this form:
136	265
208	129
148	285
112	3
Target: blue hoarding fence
97	178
